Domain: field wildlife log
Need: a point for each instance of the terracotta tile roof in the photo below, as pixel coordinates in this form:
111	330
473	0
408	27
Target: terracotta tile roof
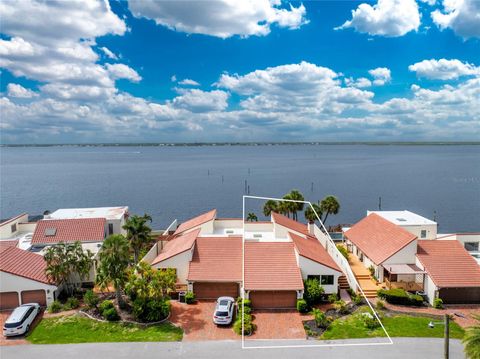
271	266
312	249
8	243
290	223
50	231
177	245
23	263
378	238
217	259
194	222
448	263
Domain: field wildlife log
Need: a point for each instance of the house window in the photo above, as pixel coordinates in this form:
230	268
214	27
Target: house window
471	246
317	277
13	227
423	233
110	228
326	280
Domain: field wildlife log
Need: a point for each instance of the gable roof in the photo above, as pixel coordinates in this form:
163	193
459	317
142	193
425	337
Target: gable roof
448	264
177	245
194	222
217	259
50	231
8	243
290	223
271	266
312	249
378	238
23	263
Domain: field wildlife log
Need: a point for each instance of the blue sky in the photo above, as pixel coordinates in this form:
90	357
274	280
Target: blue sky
256	71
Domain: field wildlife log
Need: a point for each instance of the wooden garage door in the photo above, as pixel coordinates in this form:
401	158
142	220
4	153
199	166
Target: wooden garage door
273	299
460	295
34	296
207	290
8	300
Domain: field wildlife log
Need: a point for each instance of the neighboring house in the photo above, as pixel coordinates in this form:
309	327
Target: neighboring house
453	275
420	226
115	217
206	253
23	279
470	241
19	228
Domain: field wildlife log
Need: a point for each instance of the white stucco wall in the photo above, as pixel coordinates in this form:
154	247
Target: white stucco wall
227	223
13	283
405	256
180	262
309	267
282	232
428	286
417	230
6	227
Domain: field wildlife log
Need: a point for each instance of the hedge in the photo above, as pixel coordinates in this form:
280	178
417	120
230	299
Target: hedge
400	296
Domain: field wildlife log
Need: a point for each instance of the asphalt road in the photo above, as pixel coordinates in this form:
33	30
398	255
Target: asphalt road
402	348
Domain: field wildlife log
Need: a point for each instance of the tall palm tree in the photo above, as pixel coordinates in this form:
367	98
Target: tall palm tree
310	214
284	208
329	205
252	217
138	234
269	207
114	257
296	195
471	340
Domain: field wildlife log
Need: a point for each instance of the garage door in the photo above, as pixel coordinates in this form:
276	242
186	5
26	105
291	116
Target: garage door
34	296
273	299
204	290
460	295
8	300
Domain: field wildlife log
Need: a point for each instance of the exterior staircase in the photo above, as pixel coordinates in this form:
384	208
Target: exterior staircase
343	282
366	283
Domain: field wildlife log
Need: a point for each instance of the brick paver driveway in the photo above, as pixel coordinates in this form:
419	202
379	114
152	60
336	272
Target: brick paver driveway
196	321
15	340
279	324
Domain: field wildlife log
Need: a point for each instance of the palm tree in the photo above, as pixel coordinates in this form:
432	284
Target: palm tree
329	205
114	257
138	234
471	340
295	195
310	214
252	217
284	208
269	207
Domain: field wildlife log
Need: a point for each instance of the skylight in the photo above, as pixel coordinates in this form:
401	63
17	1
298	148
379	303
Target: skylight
50	232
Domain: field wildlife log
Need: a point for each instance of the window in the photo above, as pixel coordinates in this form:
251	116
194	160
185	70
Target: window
13	227
471	246
317	277
110	228
326	280
423	233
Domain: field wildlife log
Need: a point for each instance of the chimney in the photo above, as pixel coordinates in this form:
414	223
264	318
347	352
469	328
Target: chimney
311	228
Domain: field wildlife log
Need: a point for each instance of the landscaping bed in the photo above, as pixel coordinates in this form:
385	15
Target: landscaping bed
77	329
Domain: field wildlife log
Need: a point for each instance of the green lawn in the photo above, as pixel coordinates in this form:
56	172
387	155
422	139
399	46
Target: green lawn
397	326
76	329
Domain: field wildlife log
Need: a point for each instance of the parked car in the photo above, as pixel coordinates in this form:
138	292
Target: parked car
21	319
223	314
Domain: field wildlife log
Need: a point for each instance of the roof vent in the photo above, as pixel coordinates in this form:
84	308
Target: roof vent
401	219
229	231
50	232
257	235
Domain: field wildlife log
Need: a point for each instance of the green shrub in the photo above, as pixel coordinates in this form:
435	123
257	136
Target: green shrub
357	299
372	271
189	297
55	307
247	303
313	291
400	296
71	303
438	303
246	310
343	251
333	297
416	300
321	320
302	306
341	307
111	314
91	299
150	310
370	321
380	304
105	305
248	326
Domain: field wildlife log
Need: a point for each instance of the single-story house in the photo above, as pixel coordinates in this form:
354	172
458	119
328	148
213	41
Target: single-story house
207	254
452	274
23	279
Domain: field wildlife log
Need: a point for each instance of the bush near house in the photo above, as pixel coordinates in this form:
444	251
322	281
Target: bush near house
151	310
313	291
189	297
438	303
91	299
321	319
380	304
302	306
55	307
400	296
248	326
71	303
108	311
341	307
333	297
343	251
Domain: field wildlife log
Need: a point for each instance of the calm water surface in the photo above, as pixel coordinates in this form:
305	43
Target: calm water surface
180	182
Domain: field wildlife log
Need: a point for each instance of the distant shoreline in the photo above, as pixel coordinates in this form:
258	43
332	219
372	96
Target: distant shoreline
213	144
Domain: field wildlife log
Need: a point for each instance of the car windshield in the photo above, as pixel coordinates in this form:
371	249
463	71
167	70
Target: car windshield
223	303
221	314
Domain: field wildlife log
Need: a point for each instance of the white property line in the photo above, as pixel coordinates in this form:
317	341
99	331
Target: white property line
390	341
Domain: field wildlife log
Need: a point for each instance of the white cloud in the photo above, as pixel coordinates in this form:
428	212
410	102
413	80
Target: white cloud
222	18
18	91
443	69
462	16
188	82
381	75
195	100
361	82
390	18
173	78
109	53
121	71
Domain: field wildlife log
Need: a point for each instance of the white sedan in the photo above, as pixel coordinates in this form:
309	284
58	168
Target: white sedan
21	319
224	310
